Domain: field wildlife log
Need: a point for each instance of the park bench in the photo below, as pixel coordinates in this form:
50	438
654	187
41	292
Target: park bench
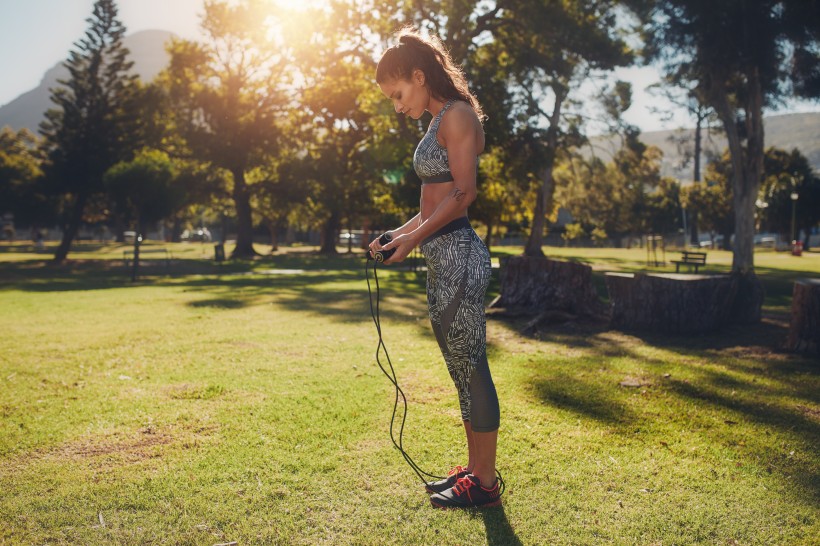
128	255
692	259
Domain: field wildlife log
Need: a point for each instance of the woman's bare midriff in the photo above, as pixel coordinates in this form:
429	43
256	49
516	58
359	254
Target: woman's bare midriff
431	197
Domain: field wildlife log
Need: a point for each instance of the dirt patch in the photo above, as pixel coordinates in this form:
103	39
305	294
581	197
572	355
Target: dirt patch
757	352
131	449
813	413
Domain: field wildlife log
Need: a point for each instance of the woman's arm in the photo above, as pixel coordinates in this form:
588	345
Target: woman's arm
411	224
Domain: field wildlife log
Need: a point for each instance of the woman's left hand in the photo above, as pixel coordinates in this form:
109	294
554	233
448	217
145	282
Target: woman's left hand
404	244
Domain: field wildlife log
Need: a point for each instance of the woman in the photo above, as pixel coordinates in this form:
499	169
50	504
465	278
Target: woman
418	75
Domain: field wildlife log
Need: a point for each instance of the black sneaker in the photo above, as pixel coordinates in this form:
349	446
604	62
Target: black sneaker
468	493
448	482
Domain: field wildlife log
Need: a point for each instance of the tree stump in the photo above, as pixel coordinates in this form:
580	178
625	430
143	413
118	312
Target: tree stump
535	285
804	330
670	303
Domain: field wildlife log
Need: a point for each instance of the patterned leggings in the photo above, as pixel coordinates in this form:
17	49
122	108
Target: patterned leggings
458	272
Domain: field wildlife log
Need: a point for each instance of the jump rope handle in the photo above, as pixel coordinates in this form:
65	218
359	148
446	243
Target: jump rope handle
382	255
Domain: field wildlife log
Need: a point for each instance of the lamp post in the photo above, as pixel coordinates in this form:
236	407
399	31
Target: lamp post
794	197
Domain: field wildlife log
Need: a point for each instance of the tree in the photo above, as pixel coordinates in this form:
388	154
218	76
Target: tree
690	146
787	174
741	56
227	96
627	196
20	176
592	197
549	48
499	197
93	126
144	188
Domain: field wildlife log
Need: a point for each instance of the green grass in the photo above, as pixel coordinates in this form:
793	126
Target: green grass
242	402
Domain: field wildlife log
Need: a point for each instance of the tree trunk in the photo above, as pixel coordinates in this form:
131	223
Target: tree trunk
70	231
747	308
807	238
488	240
533	284
671	303
329	231
536	239
698	146
693	219
547	189
274	236
804	330
747	168
694	238
244	219
176	230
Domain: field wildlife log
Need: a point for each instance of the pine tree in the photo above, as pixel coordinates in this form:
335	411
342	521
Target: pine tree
92	127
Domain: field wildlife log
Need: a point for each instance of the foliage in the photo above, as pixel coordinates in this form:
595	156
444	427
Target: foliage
548	49
144	188
788	173
21	191
96	120
598	236
227	98
709	203
626	196
573	232
739	57
500	196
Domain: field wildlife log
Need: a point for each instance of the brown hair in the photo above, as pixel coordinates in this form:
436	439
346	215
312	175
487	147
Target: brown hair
443	77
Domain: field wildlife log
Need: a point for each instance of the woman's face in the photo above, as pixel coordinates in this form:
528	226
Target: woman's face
410	96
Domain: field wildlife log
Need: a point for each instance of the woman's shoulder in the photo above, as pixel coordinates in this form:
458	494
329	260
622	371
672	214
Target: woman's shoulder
460	114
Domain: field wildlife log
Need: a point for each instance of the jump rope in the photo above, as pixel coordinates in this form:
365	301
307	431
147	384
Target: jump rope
379	257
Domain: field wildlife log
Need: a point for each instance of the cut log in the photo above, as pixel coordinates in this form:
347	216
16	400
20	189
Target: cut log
535	284
670	303
804	330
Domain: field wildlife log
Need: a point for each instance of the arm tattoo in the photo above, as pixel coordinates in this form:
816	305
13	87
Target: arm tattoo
458	194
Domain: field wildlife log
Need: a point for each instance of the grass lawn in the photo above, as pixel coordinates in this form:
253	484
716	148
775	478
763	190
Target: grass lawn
241	402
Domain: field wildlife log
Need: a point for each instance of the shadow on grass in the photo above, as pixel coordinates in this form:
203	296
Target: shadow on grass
566	392
331	286
498	528
220	303
740	373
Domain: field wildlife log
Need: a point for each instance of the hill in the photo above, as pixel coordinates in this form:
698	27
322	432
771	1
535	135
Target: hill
786	131
147	51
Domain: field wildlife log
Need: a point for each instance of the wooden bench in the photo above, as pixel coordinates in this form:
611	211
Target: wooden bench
692	259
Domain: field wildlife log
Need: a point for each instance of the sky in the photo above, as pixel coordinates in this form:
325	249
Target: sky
37	34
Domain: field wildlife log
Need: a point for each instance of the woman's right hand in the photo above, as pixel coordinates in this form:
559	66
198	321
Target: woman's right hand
375	246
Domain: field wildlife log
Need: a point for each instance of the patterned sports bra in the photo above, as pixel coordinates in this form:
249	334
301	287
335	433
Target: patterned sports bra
430	159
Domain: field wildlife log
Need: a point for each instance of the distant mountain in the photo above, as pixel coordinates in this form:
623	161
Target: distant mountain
147	51
787	131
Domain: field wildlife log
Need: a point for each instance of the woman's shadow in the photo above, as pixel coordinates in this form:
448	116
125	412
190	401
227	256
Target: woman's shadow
499	530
